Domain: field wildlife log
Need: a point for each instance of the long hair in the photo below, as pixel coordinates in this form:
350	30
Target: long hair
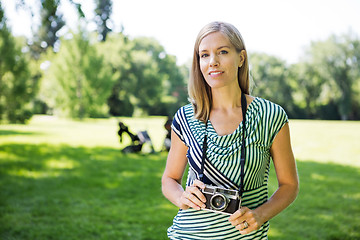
199	91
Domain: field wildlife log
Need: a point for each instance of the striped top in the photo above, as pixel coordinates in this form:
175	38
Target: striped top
264	119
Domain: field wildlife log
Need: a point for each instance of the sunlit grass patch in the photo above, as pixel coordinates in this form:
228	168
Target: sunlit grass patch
63	179
61	163
326	141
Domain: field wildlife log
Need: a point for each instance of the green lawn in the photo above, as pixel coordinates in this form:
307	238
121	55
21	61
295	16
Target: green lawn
62	179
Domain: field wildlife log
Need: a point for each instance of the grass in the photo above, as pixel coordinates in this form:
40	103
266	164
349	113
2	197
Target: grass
62	179
326	141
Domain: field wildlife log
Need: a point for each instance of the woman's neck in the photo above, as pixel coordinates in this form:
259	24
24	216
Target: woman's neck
226	98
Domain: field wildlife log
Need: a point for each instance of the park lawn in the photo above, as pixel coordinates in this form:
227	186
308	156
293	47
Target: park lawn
62	179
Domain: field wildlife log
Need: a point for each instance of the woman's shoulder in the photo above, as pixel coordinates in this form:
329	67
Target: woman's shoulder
187	109
267	108
185	112
266	104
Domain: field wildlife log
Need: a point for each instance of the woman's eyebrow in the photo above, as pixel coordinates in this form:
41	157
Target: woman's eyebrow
225	46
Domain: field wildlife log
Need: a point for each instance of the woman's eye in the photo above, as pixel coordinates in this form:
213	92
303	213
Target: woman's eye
204	55
223	52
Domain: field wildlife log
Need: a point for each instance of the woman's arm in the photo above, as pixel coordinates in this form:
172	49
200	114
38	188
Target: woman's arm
285	168
171	179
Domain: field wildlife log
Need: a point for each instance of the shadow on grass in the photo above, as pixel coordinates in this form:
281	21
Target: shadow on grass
15	132
327	206
64	192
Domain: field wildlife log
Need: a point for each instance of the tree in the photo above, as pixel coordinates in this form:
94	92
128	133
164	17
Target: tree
117	56
51	22
80	81
159	77
270	77
307	87
103	12
16	86
148	79
338	62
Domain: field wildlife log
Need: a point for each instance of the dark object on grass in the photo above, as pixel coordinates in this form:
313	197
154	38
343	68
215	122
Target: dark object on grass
137	141
167	141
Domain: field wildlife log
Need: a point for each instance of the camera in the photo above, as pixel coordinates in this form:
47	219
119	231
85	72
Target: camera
221	200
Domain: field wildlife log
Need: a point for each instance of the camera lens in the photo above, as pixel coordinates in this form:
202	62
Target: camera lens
219	202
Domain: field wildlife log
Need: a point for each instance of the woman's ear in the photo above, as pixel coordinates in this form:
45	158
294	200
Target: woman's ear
242	56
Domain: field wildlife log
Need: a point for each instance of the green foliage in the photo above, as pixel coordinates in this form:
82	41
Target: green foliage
124	76
270	76
47	35
159	77
17	88
337	61
78	8
148	79
307	86
81	82
323	85
116	51
103	12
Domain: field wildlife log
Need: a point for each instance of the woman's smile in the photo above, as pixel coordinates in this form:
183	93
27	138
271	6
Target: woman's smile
215	74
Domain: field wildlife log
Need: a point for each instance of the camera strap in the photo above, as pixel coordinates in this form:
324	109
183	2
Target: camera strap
242	150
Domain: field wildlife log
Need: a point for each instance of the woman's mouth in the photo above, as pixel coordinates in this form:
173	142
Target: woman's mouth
215	73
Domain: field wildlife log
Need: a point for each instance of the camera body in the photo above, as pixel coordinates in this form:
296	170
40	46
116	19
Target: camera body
221	200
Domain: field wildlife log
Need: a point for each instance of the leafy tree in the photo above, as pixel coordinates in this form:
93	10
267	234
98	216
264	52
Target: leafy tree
51	22
117	56
270	76
81	82
146	69
16	86
161	81
103	12
148	79
338	62
307	87
175	85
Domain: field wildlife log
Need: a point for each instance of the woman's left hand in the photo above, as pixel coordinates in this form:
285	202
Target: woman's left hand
246	220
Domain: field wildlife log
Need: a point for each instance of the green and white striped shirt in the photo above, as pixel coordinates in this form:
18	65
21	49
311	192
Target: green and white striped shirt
264	120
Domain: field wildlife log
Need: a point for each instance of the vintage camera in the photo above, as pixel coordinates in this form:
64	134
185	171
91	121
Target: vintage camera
221	200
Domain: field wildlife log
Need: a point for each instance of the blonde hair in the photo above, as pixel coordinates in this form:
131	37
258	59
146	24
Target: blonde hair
199	91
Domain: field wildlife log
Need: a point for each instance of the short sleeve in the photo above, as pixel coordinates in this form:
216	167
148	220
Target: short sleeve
277	119
177	123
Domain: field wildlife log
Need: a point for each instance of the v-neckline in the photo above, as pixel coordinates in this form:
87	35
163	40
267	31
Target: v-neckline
239	127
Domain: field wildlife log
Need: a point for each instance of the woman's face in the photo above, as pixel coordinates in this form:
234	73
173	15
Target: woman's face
219	61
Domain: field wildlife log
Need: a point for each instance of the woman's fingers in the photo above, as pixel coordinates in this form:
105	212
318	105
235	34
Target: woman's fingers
199	184
245	220
193	197
196	190
193	201
238	216
185	199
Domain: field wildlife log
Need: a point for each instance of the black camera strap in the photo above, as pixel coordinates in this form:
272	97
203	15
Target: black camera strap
242	150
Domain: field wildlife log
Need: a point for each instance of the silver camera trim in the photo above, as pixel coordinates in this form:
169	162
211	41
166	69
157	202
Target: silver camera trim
230	194
224	197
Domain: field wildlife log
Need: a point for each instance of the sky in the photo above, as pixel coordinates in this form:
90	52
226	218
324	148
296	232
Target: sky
283	28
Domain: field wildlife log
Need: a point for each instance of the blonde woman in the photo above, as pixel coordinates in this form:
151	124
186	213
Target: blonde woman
228	138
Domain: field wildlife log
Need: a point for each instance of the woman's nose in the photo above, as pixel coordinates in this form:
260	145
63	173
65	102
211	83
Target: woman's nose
214	61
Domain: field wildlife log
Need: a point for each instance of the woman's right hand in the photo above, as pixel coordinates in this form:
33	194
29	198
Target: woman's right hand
192	197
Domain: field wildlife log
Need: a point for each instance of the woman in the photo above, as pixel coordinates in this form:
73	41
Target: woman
219	77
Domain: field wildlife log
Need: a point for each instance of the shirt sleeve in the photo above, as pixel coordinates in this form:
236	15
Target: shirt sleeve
277	118
177	123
